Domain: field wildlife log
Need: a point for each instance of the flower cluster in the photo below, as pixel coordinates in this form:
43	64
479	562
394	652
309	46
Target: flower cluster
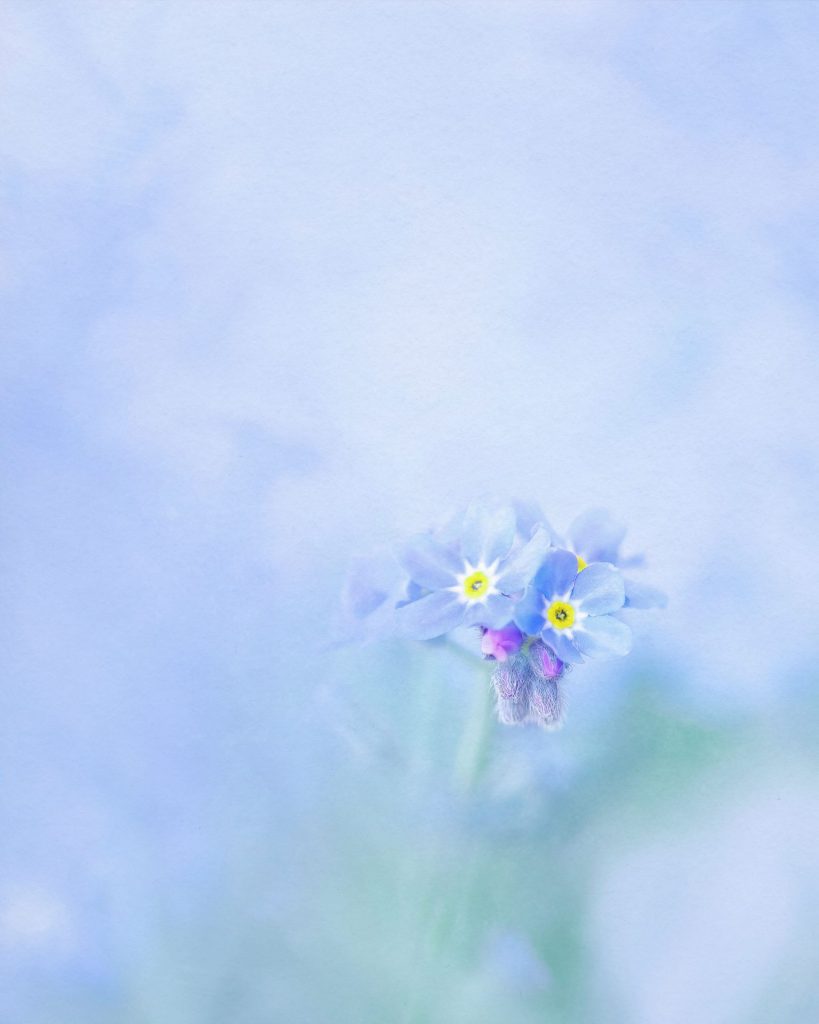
540	602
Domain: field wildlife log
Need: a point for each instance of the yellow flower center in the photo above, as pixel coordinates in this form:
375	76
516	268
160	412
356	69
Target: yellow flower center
476	585
581	563
560	614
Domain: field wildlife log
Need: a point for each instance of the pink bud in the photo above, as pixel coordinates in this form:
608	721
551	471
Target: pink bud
545	661
500	643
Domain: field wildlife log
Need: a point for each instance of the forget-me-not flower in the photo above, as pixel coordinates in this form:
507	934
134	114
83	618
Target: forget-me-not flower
472	580
571	608
541	602
595	536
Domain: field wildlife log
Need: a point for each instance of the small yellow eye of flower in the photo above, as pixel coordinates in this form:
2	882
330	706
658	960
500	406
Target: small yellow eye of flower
560	614
581	563
476	585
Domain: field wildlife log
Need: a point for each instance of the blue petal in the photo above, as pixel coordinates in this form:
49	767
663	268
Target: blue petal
487	533
372	580
367	610
599	589
603	636
529	516
428	562
412	592
556	575
450	533
494	612
561	645
429	617
521	567
360	598
596	536
529	612
639	595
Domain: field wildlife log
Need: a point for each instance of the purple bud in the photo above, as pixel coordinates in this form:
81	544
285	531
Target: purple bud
545	662
501	643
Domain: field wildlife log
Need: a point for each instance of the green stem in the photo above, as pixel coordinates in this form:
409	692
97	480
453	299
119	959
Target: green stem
444	909
473	750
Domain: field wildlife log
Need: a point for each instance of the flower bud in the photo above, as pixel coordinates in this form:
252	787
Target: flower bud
512	681
545	662
546	703
499	644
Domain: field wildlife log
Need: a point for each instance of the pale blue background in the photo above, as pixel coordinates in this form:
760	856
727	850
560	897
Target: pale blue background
282	280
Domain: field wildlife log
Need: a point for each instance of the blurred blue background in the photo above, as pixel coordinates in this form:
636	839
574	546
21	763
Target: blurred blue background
283	281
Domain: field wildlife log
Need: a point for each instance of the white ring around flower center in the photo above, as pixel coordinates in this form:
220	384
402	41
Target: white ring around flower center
489	571
579	615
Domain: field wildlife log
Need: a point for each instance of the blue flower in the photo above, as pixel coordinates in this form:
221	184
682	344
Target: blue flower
595	536
374	585
529	518
571	608
470	581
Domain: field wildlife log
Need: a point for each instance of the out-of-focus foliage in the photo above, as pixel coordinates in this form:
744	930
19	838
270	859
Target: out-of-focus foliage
644	863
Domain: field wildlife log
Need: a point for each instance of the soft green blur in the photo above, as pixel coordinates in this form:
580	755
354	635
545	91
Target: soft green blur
644	863
607	872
